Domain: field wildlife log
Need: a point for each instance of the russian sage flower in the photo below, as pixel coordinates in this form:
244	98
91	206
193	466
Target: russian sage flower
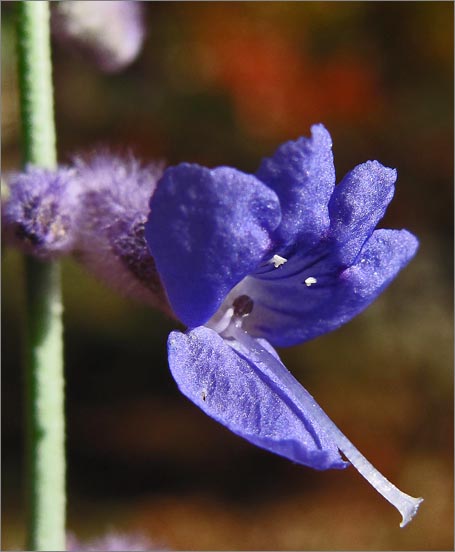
246	262
250	262
110	33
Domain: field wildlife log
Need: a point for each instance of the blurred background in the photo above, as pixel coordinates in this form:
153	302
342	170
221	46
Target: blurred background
226	83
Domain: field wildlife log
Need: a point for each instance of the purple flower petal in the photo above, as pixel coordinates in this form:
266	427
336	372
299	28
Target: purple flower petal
248	398
309	296
357	205
303	176
207	230
381	258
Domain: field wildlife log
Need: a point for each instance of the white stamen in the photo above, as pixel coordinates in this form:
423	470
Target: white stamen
220	325
277	261
310	281
272	369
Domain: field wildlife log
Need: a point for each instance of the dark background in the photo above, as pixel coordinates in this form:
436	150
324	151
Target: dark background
225	84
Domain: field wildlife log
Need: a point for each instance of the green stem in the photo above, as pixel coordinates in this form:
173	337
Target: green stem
36	93
45	432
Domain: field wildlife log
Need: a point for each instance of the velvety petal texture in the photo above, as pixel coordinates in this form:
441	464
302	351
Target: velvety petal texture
302	174
243	396
357	205
207	230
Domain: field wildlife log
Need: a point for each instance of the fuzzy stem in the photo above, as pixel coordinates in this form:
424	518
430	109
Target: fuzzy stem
44	378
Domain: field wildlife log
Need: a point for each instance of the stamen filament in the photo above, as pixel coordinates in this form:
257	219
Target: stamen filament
219	324
272	368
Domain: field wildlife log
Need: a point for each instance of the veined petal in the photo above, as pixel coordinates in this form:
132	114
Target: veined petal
309	296
207	230
247	398
302	174
357	205
273	370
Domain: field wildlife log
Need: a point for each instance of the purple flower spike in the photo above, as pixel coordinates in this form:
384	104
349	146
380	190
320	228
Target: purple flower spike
95	211
39	214
110	33
276	259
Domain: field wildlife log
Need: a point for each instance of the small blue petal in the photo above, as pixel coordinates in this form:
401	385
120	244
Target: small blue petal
382	257
310	296
207	230
302	174
248	399
358	203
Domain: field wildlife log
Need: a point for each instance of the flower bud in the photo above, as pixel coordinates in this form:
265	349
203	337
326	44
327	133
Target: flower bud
111	542
109	33
96	210
111	219
38	215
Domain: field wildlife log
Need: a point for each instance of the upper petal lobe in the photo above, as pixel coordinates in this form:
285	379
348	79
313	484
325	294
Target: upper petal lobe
357	205
302	174
207	230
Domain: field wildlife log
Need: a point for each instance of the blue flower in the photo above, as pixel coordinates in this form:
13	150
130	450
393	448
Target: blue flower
249	262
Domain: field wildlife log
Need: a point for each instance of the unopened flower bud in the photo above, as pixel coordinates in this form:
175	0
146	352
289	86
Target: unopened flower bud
96	210
109	33
111	219
111	542
39	213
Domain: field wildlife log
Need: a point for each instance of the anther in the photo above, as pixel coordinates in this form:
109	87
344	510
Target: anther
242	305
310	281
277	261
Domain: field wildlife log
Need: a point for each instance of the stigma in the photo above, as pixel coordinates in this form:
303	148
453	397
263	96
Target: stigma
232	314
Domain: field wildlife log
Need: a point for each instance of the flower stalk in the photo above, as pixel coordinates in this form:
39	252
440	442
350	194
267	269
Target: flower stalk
45	423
